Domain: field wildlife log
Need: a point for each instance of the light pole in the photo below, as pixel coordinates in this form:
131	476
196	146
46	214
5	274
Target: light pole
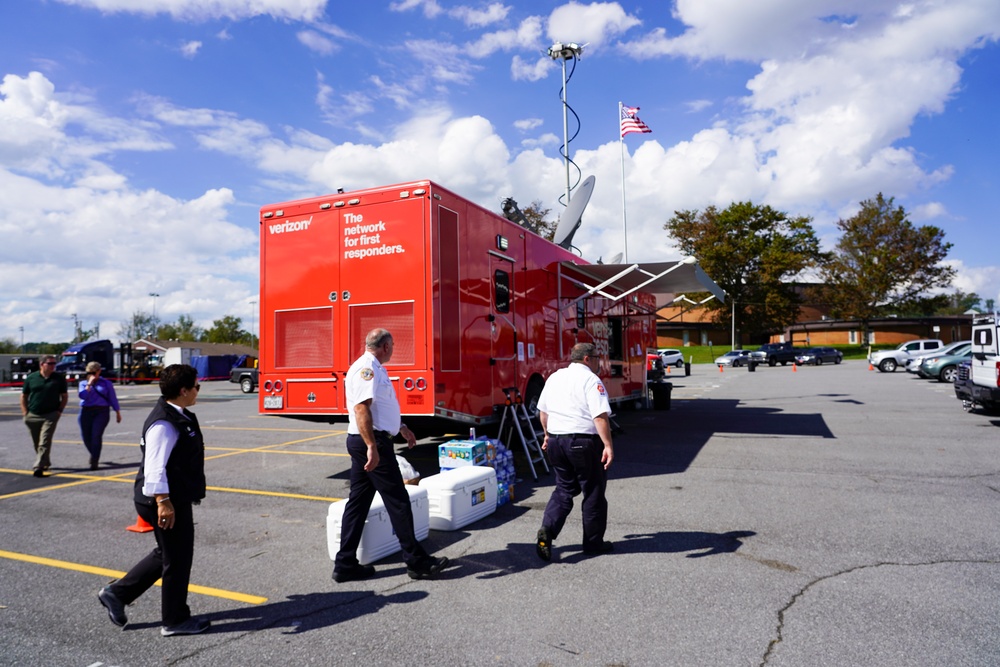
564	52
22	339
154	295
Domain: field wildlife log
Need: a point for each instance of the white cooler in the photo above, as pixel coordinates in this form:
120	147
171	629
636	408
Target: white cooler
378	540
460	496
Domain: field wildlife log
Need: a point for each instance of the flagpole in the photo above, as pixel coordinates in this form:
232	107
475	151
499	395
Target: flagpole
621	145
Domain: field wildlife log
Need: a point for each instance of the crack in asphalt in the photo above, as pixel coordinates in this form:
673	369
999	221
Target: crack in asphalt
779	632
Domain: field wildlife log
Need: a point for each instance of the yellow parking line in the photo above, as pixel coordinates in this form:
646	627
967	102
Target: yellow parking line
275	494
129	478
84	479
117	574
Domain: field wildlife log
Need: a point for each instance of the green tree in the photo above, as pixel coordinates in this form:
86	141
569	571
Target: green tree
883	265
751	252
183	329
226	330
140	325
957	303
9	346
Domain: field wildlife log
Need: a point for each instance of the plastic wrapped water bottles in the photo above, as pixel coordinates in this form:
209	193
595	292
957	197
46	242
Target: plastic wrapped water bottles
501	459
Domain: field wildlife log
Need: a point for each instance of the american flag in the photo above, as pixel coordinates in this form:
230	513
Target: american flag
631	122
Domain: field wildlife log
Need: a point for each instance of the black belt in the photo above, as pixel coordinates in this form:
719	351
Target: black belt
575	436
384	434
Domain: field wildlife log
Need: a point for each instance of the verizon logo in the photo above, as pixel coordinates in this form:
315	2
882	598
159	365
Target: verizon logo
290	226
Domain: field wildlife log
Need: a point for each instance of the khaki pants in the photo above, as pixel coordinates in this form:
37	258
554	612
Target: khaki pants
42	428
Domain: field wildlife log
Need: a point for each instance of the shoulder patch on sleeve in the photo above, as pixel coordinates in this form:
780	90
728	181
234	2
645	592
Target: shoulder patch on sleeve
600	389
367	374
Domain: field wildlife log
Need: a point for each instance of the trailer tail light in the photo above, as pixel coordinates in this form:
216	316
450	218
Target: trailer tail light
997	373
267	385
408	384
278	385
421	384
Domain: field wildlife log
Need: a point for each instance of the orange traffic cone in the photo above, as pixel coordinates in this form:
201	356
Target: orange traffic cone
720	368
795	368
141	526
870	366
668	370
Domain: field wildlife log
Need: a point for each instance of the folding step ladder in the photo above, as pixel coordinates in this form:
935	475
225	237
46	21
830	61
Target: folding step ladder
521	429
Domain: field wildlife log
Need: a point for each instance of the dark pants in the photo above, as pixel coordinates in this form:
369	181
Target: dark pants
387	480
93	421
577	464
170	560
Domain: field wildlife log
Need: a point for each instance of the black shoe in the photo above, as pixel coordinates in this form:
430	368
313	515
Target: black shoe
604	548
38	472
355	573
543	544
115	607
93	464
427	568
192	626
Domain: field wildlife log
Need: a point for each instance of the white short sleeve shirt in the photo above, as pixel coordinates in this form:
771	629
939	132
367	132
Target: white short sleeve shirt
572	398
368	379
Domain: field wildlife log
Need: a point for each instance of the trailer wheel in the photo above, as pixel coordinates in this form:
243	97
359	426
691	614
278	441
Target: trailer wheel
246	384
531	394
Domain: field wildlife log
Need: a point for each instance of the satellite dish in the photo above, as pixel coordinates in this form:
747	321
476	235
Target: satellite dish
615	259
570	219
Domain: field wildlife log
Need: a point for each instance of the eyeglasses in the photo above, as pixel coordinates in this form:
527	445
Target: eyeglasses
197	386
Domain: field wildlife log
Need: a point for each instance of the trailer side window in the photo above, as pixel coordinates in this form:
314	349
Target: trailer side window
501	291
581	314
615	339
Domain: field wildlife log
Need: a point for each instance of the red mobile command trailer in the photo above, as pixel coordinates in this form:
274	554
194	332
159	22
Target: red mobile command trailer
476	304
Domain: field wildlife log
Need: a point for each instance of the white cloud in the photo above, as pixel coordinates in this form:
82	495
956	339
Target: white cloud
430	7
594	24
316	42
527	36
522	70
190	49
528	124
200	10
493	13
694	106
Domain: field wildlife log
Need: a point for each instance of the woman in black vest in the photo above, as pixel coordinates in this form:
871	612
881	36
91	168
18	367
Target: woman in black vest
171	479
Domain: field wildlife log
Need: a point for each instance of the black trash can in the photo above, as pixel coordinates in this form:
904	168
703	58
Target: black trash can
687	368
661	395
752	366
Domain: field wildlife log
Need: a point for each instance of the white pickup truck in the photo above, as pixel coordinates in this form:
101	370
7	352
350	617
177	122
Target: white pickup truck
980	385
888	361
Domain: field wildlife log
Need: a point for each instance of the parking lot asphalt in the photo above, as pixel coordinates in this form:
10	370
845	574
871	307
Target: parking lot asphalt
819	516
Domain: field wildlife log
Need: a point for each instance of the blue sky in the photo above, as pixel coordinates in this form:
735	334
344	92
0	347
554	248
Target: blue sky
139	138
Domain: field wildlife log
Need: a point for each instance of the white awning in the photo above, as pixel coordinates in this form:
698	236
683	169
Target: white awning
665	280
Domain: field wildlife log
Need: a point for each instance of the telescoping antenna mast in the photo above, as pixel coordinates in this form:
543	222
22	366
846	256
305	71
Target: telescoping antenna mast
564	52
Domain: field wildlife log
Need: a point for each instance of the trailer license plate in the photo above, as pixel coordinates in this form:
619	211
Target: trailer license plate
272	402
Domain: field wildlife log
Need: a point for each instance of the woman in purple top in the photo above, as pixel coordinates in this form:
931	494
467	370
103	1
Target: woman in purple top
97	399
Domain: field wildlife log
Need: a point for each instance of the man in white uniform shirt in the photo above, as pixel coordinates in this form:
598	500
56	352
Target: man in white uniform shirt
374	419
575	415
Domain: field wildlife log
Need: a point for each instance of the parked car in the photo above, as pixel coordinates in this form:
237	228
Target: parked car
654	367
775	353
818	356
943	367
887	361
958	347
671	358
734	358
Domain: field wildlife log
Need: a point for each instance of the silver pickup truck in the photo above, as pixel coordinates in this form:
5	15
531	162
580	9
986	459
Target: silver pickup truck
887	361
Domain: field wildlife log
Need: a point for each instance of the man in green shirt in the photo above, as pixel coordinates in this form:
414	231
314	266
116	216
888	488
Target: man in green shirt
43	399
